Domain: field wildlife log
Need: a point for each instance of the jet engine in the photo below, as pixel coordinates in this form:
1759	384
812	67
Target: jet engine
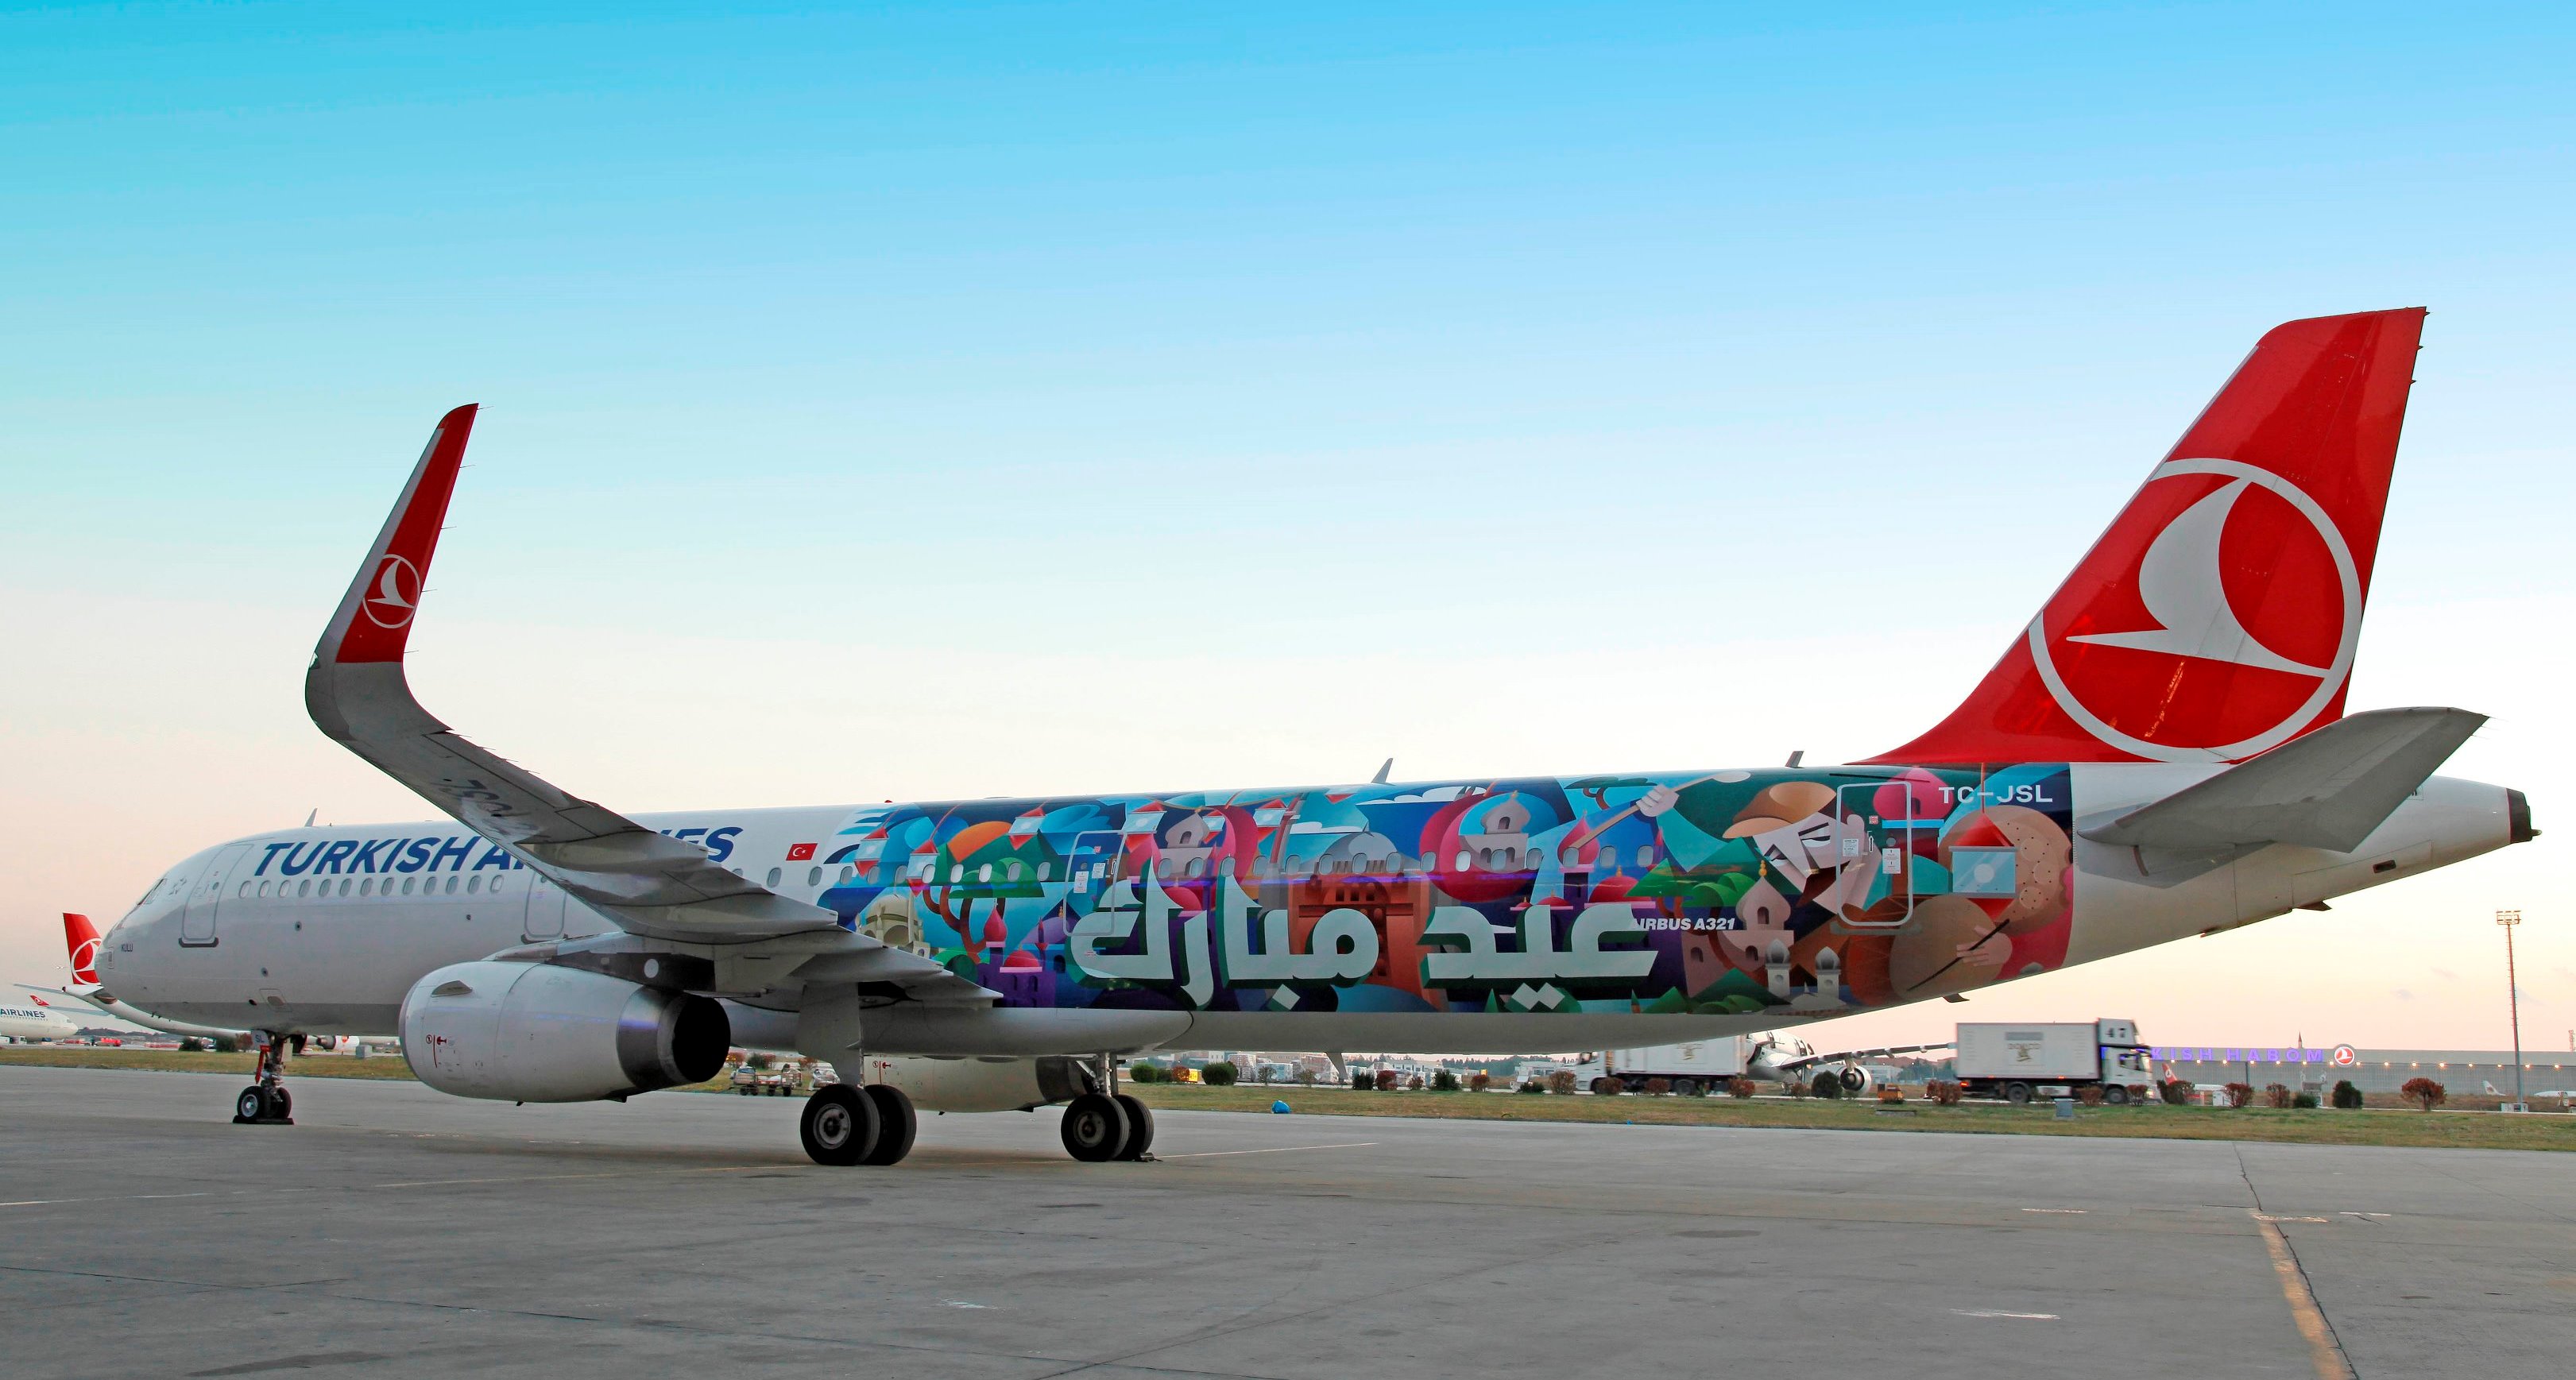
1848	1080
979	1085
533	1032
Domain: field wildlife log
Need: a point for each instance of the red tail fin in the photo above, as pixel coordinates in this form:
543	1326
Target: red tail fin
2219	615
81	938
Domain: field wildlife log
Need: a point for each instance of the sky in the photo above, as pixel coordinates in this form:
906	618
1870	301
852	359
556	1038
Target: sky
937	401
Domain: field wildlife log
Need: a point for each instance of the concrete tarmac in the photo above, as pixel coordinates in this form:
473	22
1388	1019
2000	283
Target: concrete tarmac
399	1232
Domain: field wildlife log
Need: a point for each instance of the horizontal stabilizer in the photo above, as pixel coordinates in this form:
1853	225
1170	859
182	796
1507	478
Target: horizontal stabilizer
2327	789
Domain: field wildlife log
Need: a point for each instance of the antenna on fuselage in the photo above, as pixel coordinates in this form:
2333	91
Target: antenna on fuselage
1383	769
1796	757
311	815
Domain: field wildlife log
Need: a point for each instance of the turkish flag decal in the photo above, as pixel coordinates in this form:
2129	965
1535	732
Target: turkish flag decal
801	852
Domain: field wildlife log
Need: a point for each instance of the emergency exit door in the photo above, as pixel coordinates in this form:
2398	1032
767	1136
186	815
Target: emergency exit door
206	897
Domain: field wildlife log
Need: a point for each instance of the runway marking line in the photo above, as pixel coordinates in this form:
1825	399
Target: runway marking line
2324	1352
1999	1313
1273	1150
119	1198
2069	1212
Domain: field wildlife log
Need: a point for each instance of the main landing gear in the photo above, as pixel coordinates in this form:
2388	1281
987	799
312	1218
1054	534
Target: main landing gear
844	1125
1102	1126
266	1101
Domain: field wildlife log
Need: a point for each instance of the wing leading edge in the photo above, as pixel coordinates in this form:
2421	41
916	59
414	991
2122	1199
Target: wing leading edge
650	885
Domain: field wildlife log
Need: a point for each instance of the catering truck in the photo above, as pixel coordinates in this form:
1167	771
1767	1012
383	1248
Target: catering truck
2017	1061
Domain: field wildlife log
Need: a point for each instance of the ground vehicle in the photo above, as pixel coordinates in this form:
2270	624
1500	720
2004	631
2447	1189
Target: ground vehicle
2017	1061
750	1081
1692	1067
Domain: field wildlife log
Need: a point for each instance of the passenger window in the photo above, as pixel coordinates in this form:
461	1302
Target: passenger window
1046	872
244	891
407	883
1645	855
984	873
773	877
473	885
848	874
497	881
367	887
304	888
451	886
263	888
344	886
813	876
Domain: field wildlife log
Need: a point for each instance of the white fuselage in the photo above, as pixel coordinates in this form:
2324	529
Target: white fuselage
324	930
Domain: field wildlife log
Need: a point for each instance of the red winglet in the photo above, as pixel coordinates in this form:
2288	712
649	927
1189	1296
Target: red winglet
81	938
374	620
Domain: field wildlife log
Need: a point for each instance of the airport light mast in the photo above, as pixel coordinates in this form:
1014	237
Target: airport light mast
2513	1001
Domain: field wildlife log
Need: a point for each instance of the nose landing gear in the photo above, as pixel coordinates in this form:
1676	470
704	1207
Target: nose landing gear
266	1102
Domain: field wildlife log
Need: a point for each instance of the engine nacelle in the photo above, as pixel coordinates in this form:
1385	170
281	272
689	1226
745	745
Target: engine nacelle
1847	1080
978	1085
533	1032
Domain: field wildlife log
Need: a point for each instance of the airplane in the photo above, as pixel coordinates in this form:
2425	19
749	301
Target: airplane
2163	751
29	1013
81	943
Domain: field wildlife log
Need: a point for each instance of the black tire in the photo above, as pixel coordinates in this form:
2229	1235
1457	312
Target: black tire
2116	1095
1686	1087
896	1124
1094	1129
2017	1094
281	1104
838	1126
1140	1128
252	1105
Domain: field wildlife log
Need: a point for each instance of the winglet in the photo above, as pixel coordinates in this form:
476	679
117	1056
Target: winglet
373	623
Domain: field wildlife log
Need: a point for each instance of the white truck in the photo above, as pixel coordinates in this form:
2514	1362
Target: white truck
1693	1068
2017	1060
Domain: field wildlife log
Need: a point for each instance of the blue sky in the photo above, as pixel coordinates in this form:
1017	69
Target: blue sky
864	352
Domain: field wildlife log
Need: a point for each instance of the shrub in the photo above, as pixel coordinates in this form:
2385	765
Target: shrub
192	1045
1220	1074
226	1044
1828	1084
1265	1074
1363	1080
1145	1073
2346	1096
1413	1084
1305	1078
1561	1082
2175	1092
1532	1086
1479	1082
1659	1087
2424	1093
2090	1094
2239	1094
1444	1081
1943	1091
1388	1080
2276	1096
2305	1100
1739	1087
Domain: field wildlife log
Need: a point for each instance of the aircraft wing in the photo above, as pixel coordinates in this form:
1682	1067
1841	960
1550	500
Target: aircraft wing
2327	789
1810	1061
650	885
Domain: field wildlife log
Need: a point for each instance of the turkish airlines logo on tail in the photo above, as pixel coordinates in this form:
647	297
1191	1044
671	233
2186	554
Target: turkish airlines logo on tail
2184	696
395	596
81	937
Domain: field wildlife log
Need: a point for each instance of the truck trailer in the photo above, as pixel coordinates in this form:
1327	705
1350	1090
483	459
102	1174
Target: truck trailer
2017	1061
1694	1068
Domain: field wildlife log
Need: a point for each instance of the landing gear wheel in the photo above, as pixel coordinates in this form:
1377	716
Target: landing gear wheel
1140	1128
838	1126
2116	1095
252	1105
2017	1094
281	1104
1095	1128
895	1124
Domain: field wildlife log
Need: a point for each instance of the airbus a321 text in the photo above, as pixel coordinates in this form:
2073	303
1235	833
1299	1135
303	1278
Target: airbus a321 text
2162	752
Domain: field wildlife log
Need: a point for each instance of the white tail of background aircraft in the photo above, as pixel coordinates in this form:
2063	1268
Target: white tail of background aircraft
2162	751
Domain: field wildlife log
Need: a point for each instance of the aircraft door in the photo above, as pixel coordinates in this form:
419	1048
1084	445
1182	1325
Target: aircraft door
197	922
545	914
1878	848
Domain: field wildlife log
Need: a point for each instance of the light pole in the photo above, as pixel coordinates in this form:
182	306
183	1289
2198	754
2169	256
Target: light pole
2513	999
